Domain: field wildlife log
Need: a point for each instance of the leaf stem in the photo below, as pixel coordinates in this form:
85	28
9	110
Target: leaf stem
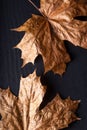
36	7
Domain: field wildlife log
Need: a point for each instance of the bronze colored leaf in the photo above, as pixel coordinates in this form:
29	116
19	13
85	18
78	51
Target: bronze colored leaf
22	112
39	34
48	32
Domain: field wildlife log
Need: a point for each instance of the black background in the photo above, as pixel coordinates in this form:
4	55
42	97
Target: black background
73	83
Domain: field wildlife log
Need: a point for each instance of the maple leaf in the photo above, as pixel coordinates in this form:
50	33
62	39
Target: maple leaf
48	32
22	112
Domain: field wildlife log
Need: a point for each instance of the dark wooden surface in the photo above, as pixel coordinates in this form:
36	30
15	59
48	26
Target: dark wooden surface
73	83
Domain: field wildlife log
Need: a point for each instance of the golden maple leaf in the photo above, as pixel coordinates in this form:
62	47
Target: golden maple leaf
22	112
47	33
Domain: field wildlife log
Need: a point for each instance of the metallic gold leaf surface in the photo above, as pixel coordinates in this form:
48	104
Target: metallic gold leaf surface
22	112
48	32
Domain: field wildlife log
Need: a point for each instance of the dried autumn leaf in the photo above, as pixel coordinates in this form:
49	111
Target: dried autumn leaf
49	31
43	42
22	112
